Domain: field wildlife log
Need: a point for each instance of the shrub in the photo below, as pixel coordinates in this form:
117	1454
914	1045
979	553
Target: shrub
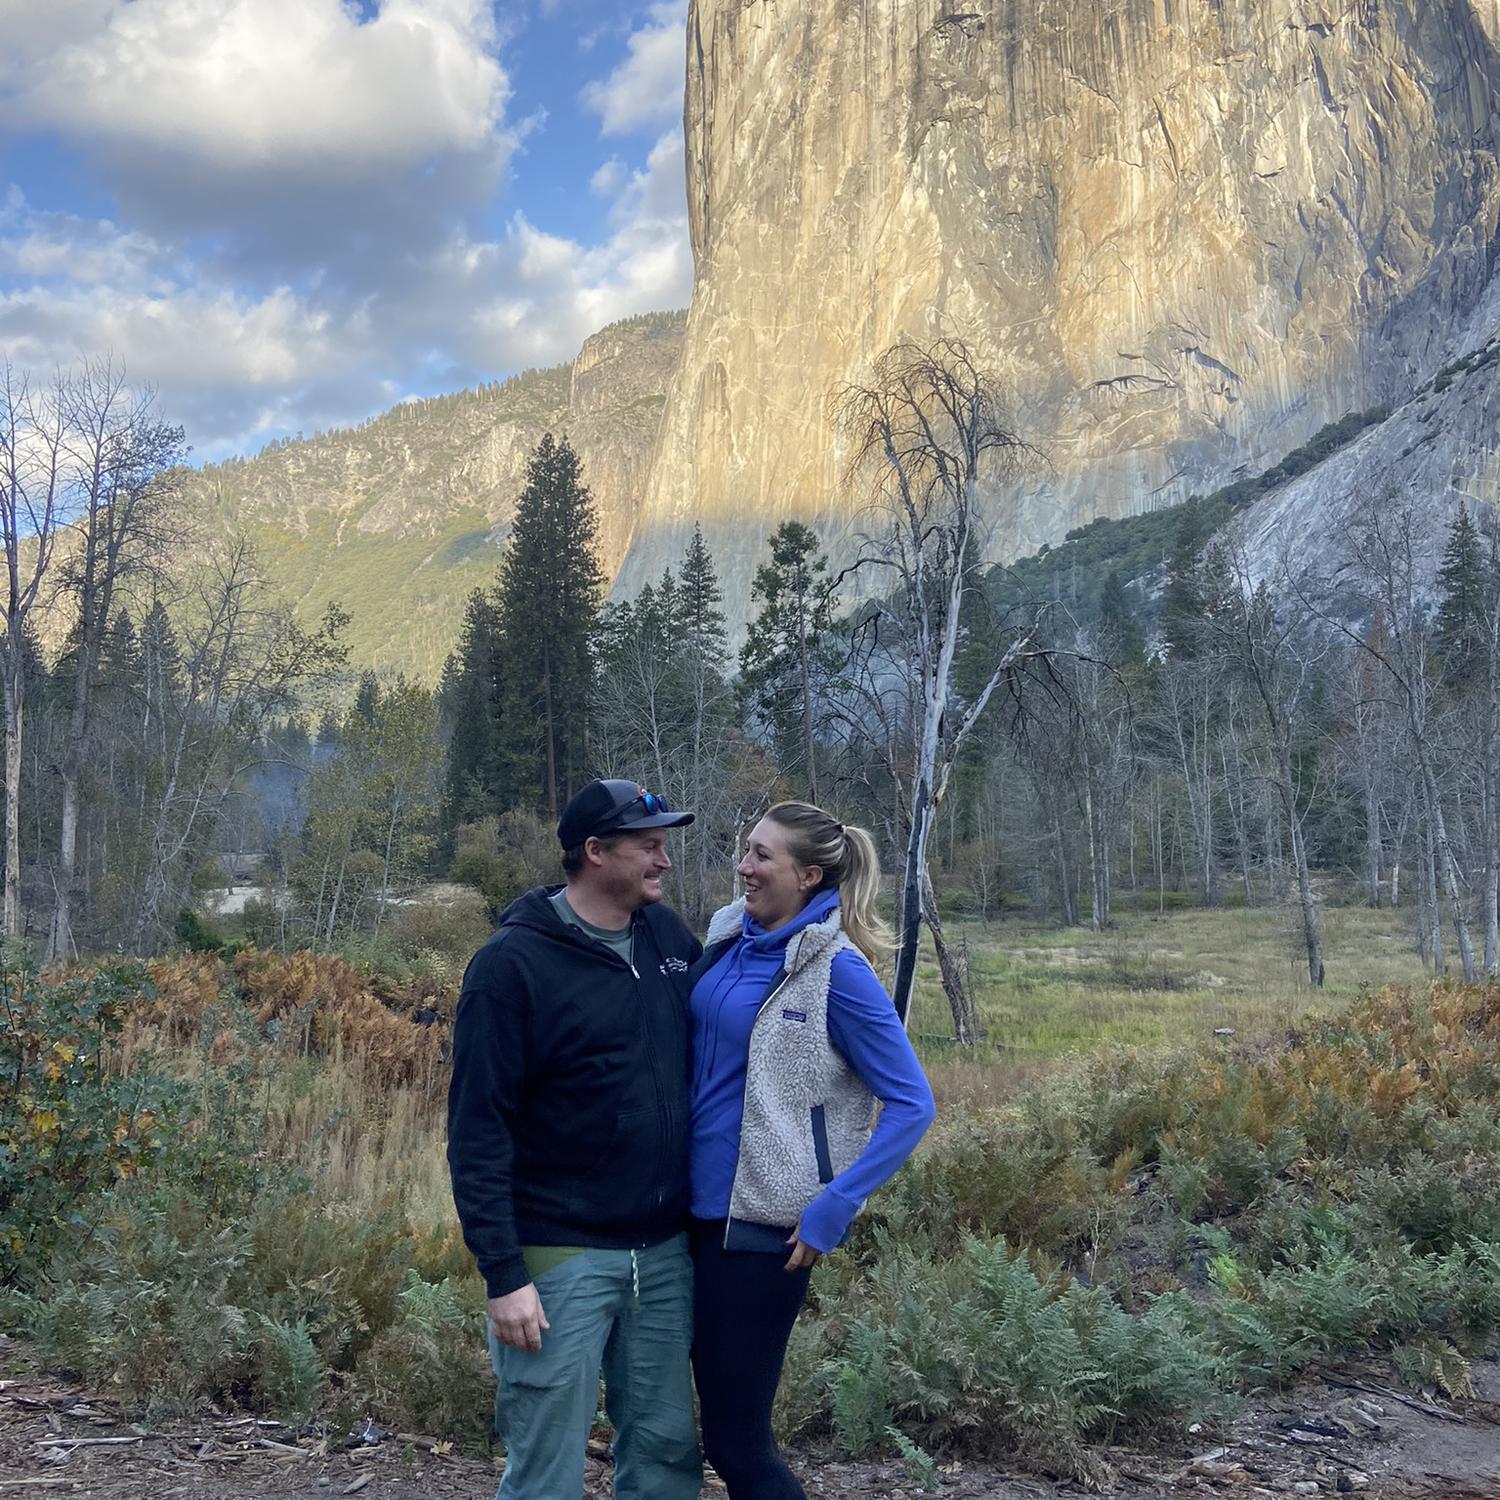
981	1348
302	1004
439	939
1016	1286
291	1374
72	1125
500	857
146	1313
197	936
428	1370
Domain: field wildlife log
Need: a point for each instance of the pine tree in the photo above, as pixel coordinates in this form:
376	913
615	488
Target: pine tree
1459	629
1119	630
328	734
367	698
466	698
161	678
549	596
1183	604
782	655
701	598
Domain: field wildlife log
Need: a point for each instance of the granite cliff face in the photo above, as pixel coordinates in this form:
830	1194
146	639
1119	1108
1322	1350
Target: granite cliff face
399	519
1184	233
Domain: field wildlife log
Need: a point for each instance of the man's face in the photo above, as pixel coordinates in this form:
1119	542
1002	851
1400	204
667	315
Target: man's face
633	865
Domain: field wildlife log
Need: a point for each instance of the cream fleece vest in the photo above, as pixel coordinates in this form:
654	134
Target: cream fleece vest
807	1114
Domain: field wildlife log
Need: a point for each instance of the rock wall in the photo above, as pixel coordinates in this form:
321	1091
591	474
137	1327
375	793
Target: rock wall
1183	233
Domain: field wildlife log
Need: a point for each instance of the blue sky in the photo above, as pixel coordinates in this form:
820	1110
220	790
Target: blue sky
287	215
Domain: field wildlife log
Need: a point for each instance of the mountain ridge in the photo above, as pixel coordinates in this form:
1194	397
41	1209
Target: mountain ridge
399	518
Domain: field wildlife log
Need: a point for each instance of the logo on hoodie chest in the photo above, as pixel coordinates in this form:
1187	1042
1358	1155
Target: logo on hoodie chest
672	966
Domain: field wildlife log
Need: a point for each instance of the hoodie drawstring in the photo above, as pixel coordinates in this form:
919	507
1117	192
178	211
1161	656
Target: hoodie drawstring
635	1281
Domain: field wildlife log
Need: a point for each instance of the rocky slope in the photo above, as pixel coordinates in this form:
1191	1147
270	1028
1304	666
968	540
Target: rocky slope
400	518
1435	450
1184	233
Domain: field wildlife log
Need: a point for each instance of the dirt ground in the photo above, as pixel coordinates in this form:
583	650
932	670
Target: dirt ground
1349	1432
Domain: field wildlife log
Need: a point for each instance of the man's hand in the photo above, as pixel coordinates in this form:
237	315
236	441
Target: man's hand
518	1320
803	1254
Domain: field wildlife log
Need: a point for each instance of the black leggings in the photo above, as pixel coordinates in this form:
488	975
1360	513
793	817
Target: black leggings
744	1305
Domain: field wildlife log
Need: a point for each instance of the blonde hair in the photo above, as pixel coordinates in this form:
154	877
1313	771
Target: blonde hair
847	857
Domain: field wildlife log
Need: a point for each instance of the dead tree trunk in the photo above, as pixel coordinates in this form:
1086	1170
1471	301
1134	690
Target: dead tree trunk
955	982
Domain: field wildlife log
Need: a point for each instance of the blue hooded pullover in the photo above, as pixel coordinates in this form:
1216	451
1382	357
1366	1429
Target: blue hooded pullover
862	1025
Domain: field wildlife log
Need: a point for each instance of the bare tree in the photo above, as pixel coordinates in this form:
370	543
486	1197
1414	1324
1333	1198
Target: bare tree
1268	644
1489	711
1382	545
116	457
1183	734
1365	744
244	659
1094	749
928	430
32	429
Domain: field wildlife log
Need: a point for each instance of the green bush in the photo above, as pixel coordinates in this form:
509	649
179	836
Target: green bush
500	857
291	1374
146	1314
440	939
982	1350
428	1370
72	1127
171	1306
194	935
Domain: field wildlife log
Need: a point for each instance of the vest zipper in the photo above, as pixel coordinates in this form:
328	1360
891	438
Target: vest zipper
776	989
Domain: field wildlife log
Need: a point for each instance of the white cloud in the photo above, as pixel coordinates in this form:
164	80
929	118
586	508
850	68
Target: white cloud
609	178
251	84
236	365
57	246
533	297
646	88
301	198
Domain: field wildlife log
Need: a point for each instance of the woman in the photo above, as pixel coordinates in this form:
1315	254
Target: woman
794	1039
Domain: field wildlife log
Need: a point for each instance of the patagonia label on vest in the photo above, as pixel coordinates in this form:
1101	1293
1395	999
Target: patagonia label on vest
794	1015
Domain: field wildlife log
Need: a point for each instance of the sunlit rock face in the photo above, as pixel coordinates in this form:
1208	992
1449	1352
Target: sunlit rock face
1184	234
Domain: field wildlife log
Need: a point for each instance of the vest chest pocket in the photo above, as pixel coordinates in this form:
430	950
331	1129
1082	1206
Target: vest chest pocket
820	1144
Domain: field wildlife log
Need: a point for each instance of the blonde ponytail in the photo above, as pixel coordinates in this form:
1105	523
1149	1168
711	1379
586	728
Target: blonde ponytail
846	855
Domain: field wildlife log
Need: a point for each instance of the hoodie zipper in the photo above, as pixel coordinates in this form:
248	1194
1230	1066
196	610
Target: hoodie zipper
662	1120
636	922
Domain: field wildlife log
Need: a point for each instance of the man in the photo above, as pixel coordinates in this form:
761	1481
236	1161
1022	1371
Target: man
567	1145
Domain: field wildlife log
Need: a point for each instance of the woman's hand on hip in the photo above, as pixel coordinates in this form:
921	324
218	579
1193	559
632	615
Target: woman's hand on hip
803	1254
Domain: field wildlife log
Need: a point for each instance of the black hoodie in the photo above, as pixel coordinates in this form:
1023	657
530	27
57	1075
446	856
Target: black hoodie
568	1110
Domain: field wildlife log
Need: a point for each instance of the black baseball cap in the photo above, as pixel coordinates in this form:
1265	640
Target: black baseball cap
605	807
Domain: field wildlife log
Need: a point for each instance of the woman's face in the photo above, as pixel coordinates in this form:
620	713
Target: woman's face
776	886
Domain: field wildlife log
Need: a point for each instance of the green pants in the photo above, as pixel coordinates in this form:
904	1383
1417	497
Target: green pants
628	1316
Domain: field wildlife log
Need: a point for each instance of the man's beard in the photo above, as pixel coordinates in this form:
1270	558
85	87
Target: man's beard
632	891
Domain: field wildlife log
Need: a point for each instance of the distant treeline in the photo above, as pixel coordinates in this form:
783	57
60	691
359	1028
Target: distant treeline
1160	719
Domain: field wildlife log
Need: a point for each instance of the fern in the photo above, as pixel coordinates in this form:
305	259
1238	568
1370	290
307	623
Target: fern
1428	1363
291	1374
920	1464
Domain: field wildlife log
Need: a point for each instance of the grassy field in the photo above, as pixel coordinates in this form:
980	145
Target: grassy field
1046	994
1048	998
